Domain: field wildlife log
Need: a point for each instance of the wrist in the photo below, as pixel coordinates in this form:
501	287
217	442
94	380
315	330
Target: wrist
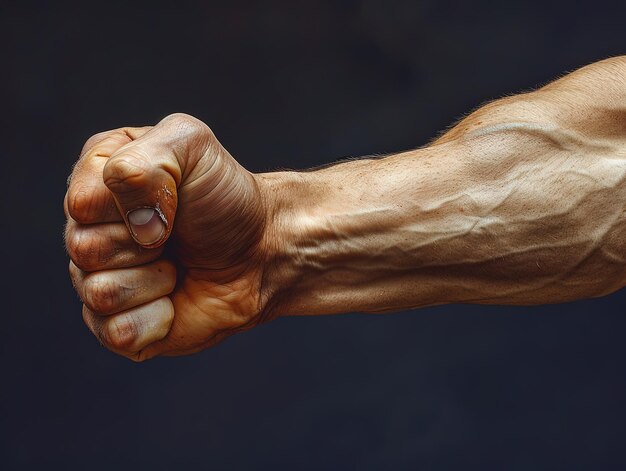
281	193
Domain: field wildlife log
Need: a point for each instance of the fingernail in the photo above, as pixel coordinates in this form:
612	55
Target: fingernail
146	225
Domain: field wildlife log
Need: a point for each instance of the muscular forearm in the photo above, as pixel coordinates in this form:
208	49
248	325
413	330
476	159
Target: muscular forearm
517	208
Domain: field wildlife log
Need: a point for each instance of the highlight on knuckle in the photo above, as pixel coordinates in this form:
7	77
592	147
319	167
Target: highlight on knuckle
100	294
190	135
188	127
121	332
94	140
80	204
83	250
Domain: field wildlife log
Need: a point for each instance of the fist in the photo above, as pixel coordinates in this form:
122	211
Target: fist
167	237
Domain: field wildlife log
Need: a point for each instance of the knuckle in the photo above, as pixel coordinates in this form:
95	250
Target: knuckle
121	332
125	172
190	136
188	127
94	140
80	254
184	120
84	250
80	204
100	295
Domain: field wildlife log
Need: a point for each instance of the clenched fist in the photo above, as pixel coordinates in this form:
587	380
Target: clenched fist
167	236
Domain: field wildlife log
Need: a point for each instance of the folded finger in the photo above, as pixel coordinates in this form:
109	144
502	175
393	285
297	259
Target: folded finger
95	247
111	291
88	200
128	332
130	132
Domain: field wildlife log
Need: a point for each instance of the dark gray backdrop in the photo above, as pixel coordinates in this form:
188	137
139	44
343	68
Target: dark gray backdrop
291	84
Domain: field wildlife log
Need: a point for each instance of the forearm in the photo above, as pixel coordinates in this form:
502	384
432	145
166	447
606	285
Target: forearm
522	202
508	213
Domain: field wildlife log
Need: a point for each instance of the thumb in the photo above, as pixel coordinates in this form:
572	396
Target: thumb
144	176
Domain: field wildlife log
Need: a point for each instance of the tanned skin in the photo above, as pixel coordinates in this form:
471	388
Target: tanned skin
522	202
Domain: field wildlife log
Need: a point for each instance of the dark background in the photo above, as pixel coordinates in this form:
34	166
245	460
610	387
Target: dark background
291	84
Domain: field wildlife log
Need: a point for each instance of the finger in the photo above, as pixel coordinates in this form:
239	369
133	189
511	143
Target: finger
87	199
131	132
128	332
144	175
112	291
96	247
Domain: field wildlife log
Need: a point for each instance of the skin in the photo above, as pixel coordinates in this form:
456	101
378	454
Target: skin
522	202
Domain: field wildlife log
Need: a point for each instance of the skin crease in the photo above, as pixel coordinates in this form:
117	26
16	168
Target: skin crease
521	202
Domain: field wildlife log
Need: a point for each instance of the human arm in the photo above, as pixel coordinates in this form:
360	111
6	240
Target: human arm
522	202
